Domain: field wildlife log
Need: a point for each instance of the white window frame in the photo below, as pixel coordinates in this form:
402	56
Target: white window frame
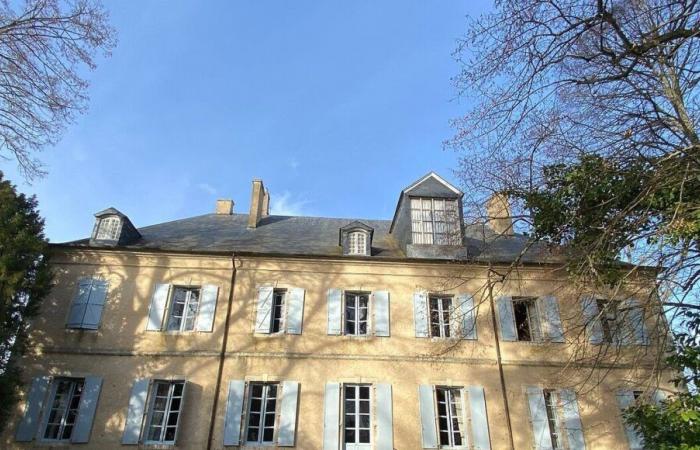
450	416
166	412
441	310
534	320
261	442
428	228
344	316
357	445
183	319
74	383
108	228
280	294
357	242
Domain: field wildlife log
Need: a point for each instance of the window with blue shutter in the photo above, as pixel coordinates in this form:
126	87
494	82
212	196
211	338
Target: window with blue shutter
420	314
380	305
88	304
67	407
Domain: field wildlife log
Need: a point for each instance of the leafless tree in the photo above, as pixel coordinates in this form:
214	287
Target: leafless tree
550	82
44	45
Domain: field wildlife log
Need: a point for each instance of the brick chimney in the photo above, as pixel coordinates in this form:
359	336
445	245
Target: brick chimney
498	214
224	207
258	202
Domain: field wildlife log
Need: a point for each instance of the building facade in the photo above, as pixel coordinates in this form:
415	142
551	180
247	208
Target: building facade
262	331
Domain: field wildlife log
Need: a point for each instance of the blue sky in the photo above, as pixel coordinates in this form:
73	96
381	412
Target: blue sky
336	105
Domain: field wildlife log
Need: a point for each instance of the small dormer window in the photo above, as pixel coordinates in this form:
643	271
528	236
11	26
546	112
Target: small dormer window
358	243
435	221
108	229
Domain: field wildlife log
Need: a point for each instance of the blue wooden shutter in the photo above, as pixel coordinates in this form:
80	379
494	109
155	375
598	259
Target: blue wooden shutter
29	426
506	319
234	409
385	418
551	326
95	305
335	305
79	304
156	311
572	420
263	321
207	308
634	316
468	314
288	414
331	417
134	415
380	300
427	416
594	328
295	310
86	411
479	419
625	399
420	314
538	418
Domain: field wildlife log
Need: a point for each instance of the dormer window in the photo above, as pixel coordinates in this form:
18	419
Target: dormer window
356	239
113	228
108	228
435	221
358	243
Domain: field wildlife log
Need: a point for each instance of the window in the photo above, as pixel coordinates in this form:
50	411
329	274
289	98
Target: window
277	314
63	412
450	410
356	313
527	324
184	305
108	228
164	411
440	308
435	221
550	403
609	319
262	405
358	243
356	423
87	305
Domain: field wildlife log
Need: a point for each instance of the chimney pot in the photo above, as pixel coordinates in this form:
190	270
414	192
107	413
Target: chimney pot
224	207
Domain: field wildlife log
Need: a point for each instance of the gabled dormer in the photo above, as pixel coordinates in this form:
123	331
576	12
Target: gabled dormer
113	228
356	239
428	219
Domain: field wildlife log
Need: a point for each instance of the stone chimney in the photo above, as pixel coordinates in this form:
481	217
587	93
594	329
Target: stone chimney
498	214
224	207
266	204
257	204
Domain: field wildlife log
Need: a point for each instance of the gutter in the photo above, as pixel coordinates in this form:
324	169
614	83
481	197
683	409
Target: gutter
222	354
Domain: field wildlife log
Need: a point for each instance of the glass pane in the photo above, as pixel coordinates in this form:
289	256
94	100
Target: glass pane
364	421
364	392
252	435
350	406
170	433
349	436
350	420
172	419
364	437
364	406
257	390
269	420
268	435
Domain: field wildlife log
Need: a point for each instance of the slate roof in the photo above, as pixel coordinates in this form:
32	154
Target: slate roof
307	236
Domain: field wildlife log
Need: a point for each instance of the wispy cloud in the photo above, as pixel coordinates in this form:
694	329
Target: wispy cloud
285	205
208	188
294	164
